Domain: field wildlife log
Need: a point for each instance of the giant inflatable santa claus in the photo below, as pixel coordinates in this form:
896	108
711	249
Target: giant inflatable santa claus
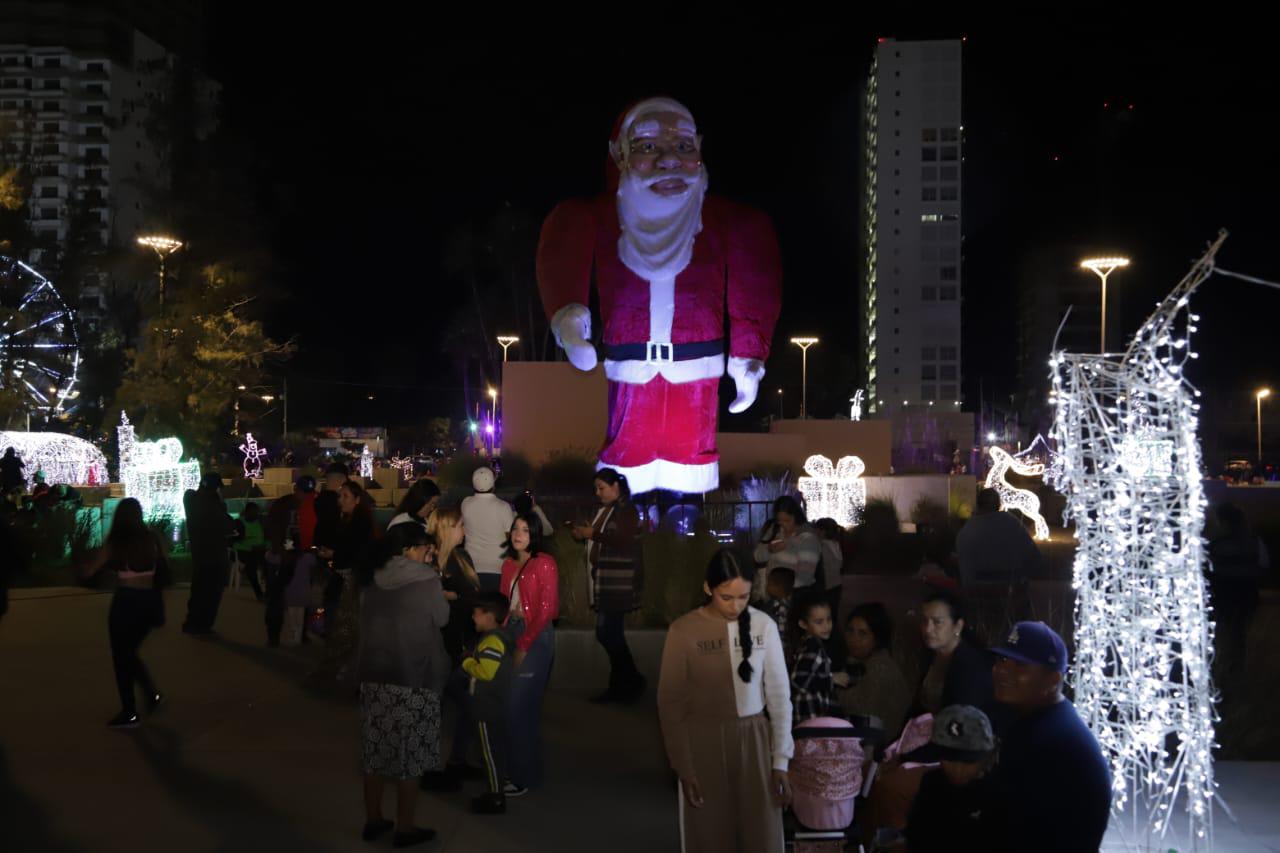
668	262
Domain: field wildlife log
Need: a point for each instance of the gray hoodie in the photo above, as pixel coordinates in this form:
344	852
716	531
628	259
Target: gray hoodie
401	615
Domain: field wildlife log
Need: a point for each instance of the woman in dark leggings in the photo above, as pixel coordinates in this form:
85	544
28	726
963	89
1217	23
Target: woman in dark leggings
134	554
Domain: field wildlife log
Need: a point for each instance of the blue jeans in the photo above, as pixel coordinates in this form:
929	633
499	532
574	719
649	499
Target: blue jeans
524	712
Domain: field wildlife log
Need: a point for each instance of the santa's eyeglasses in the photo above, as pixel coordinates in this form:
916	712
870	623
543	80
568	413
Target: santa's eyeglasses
680	147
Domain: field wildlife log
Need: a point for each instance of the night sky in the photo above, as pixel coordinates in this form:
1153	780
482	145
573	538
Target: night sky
372	149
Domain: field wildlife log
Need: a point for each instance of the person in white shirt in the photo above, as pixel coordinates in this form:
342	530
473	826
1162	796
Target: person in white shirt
723	668
487	518
789	543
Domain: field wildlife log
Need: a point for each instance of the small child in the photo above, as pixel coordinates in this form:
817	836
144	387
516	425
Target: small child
811	681
954	807
489	666
778	590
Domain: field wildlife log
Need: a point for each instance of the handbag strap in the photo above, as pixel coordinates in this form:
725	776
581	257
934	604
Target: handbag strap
515	585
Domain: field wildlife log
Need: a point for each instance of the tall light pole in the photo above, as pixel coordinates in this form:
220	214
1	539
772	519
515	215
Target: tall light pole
1104	267
1258	398
493	411
804	344
236	429
163	247
780	414
505	341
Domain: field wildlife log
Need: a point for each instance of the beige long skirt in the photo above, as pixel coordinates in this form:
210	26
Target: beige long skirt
733	760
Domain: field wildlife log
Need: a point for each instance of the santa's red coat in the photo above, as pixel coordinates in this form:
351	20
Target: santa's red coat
735	258
735	270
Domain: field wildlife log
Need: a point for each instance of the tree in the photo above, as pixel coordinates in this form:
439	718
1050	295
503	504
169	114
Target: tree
182	377
495	264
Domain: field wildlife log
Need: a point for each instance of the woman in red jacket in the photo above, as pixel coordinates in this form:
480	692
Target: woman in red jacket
532	582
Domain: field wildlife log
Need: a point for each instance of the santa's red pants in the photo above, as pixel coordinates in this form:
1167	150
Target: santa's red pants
662	435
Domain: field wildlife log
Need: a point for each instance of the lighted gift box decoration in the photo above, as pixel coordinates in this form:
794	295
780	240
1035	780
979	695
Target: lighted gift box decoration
403	464
61	458
154	473
1011	497
834	491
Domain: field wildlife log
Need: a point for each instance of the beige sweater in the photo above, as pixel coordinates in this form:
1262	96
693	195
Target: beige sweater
699	682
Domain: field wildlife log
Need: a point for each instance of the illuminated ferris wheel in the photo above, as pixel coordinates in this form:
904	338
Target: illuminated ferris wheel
39	344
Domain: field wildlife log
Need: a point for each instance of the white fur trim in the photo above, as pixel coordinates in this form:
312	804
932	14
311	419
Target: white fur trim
662	309
745	368
636	372
661	474
653	105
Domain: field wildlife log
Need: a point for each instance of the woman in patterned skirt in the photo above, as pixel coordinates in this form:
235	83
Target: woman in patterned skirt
403	669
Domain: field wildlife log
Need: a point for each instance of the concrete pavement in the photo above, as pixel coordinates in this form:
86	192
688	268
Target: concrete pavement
244	757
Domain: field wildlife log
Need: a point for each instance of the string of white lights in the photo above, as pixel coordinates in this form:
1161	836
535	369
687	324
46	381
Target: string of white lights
1128	462
1011	497
836	492
61	458
404	464
366	463
154	473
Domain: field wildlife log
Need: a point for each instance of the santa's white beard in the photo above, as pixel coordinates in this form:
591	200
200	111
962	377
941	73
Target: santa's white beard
658	231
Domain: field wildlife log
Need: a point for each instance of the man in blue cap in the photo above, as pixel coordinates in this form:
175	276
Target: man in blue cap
1052	785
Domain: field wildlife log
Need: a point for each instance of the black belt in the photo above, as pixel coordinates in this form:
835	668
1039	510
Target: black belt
655	352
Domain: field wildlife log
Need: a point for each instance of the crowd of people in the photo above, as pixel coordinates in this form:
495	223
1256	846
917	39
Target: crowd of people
450	613
31	504
981	752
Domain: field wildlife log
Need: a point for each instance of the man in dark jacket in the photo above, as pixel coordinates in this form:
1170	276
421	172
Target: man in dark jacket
1050	764
209	529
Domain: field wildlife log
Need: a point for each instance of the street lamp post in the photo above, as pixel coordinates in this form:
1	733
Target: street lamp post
1258	398
780	414
163	247
493	410
804	344
505	341
1104	267
236	429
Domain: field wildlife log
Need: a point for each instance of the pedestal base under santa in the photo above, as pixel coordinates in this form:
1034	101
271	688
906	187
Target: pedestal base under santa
669	263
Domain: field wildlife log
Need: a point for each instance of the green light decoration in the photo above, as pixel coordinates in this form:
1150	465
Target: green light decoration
154	473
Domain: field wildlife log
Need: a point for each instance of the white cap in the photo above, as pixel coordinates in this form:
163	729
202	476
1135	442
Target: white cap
482	479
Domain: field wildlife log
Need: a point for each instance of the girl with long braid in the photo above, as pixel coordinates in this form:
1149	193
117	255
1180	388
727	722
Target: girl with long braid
722	669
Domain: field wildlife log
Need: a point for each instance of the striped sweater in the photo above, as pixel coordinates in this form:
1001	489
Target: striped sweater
615	567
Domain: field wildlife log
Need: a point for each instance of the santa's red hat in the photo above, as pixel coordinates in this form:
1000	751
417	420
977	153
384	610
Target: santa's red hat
618	137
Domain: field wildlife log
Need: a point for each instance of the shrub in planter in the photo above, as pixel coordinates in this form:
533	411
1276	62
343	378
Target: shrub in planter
456	473
878	545
565	472
674	568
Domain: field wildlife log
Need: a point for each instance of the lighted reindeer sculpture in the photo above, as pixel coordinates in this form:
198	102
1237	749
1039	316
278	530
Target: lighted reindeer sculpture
1011	497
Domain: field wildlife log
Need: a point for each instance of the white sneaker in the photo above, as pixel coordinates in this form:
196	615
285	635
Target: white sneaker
513	790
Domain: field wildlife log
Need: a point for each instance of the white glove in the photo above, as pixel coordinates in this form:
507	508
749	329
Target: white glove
572	328
746	374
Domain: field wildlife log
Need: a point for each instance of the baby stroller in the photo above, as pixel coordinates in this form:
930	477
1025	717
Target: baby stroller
890	801
827	773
